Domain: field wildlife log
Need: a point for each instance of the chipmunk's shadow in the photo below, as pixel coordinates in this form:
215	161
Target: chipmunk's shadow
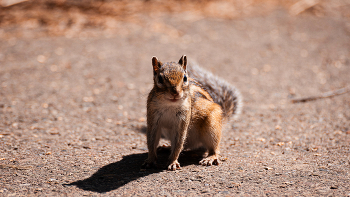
115	175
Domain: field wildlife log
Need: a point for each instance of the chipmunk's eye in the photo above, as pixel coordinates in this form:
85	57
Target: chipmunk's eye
185	78
160	79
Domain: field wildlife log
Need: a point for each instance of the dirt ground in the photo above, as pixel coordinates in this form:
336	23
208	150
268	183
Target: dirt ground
73	99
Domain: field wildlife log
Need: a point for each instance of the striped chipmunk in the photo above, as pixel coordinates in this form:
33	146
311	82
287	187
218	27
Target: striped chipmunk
188	106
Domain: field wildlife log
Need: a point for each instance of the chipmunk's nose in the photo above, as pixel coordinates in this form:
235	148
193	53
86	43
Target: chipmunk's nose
175	95
174	92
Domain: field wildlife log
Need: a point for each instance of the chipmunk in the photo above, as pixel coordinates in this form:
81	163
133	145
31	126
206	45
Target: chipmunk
187	111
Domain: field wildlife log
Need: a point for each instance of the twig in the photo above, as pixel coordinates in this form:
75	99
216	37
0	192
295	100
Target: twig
7	3
324	95
3	166
301	6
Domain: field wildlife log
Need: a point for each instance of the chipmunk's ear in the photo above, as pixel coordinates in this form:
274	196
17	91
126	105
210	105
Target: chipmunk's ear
156	64
183	62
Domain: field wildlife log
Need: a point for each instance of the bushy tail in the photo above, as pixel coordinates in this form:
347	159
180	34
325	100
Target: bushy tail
222	92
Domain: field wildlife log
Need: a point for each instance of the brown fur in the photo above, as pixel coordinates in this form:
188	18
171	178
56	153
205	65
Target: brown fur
180	109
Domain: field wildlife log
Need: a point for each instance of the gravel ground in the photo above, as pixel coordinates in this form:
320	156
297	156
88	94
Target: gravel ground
73	107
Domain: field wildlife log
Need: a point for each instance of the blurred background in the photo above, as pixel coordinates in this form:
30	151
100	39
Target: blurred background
79	18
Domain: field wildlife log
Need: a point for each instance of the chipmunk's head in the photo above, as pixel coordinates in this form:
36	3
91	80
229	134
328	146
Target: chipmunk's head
171	78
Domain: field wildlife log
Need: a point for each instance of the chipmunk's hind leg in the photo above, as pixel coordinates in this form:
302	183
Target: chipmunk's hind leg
211	137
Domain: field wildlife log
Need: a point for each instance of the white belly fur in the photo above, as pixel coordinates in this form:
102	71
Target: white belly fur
170	124
168	120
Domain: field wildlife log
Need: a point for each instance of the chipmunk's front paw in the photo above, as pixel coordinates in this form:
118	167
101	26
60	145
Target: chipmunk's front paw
174	166
211	160
149	164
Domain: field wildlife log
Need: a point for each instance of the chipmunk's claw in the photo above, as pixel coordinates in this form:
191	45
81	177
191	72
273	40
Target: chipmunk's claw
211	160
174	166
